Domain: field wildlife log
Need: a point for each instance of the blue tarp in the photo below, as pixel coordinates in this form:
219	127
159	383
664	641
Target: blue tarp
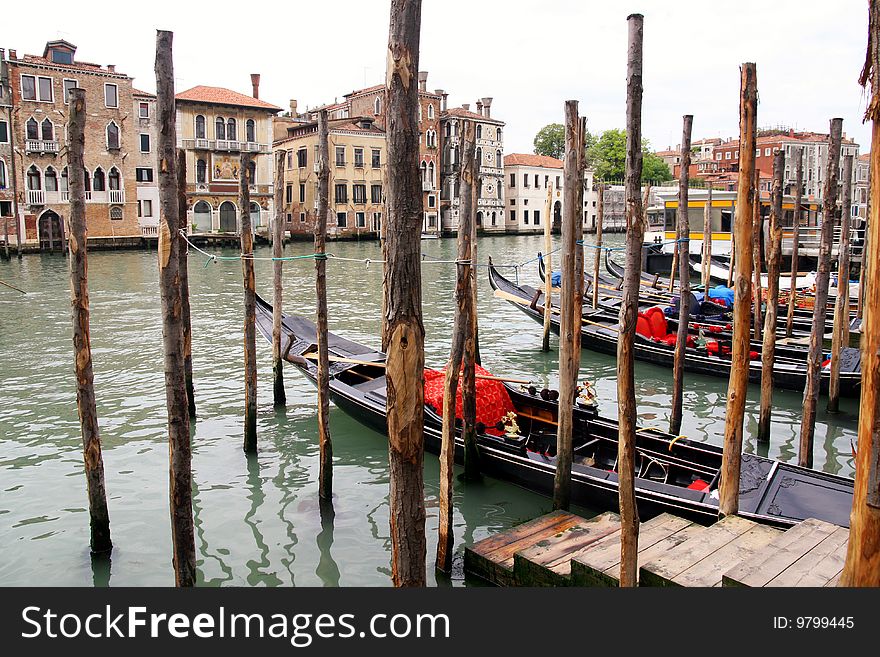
556	279
722	293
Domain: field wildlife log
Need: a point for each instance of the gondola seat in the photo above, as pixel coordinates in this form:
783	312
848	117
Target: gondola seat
652	324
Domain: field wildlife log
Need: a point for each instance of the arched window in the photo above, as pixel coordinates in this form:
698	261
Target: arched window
98	180
479	132
113	179
228	219
219	128
201	171
116	212
424	170
64	186
479	157
112	135
431	174
51	179
34	179
420	112
47	130
430	111
2	174
202	217
231	130
200	127
498	134
87	180
251	130
377	106
498	162
252	173
32	129
448	129
255	215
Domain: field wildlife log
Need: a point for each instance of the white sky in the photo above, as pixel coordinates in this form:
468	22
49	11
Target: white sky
529	55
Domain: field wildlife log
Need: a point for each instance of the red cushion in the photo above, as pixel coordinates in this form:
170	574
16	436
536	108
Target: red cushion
493	401
643	326
670	339
712	347
754	355
658	322
699	484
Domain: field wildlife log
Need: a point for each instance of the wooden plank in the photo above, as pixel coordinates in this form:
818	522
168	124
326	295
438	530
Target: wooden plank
661	571
709	571
548	562
779	555
819	566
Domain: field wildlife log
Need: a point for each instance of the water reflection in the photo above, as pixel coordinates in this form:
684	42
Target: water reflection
101	570
256	568
327	569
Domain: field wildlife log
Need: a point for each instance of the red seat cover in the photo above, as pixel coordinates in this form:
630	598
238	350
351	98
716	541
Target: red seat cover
493	401
643	326
657	320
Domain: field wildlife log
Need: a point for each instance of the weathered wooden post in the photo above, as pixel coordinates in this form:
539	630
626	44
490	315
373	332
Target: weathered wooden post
683	239
404	338
600	218
250	304
180	453
325	476
862	566
99	518
184	284
707	241
548	270
570	299
279	397
5	238
841	307
731	461
774	263
795	246
629	307
823	274
757	229
460	330
470	185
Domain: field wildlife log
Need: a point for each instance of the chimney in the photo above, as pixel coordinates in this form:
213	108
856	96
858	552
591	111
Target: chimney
255	83
487	105
293	107
479	108
442	94
111	68
12	54
423	80
466	107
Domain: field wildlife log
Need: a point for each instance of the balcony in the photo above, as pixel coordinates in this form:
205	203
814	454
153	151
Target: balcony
36	197
254	147
117	196
427	186
40	146
227	145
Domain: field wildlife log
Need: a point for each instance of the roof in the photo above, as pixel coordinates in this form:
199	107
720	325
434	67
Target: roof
865	157
348	124
80	66
669	153
532	160
467	114
142	94
222	96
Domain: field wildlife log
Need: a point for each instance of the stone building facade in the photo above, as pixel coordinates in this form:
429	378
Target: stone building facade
146	162
7	220
357	177
40	87
215	126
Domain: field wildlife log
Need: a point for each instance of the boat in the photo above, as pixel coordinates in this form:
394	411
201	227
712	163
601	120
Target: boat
599	332
674	473
430	236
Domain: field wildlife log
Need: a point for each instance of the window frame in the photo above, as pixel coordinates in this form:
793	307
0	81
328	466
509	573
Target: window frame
142	104
141	142
342	219
116	94
139	178
118	145
65	92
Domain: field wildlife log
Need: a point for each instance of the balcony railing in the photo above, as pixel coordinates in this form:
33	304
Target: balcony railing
41	146
149	231
227	145
36	197
427	186
117	196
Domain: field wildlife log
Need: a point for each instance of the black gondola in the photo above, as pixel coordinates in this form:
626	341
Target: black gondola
676	475
599	333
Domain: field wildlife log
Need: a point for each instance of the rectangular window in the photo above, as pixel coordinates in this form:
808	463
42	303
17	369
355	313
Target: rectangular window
340	156
359	158
377	162
302	156
44	89
111	95
377	220
289	159
147	208
726	155
376	193
302	217
767	151
145	143
302	192
432	201
757	152
143	174
341	193
68	84
359	194
288	193
513	201
341	219
558	183
512	180
736	155
718	155
144	110
537	219
513	215
537	182
28	87
525	216
360	219
4	132
546	181
36	88
526	180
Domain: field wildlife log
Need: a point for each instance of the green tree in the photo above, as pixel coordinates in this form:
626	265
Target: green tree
550	140
607	156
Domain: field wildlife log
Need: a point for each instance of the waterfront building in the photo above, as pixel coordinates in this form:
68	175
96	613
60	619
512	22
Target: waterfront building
357	176
861	183
7	219
215	126
145	163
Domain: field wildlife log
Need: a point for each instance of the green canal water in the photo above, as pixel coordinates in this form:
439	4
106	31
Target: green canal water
257	520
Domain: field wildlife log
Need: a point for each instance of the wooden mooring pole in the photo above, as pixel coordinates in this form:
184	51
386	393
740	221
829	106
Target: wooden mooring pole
795	240
683	241
570	298
99	518
627	412
862	566
180	454
548	270
841	306
184	284
404	338
325	476
600	218
823	275
731	460
250	305
460	330
470	194
707	241
279	397
774	263
757	230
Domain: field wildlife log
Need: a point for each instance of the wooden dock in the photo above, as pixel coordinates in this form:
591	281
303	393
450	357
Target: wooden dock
563	549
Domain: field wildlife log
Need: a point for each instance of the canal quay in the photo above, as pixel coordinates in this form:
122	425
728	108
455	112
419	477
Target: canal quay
257	519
